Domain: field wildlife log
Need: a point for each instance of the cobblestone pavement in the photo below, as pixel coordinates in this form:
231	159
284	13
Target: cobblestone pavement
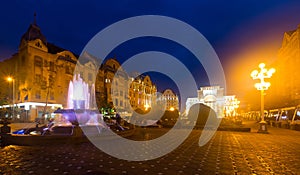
226	153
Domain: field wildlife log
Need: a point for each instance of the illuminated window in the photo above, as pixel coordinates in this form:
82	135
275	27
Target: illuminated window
38	44
90	77
38	61
51	95
51	66
69	69
38	94
38	78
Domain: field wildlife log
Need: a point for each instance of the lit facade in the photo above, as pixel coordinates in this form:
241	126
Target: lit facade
287	67
42	72
231	105
142	92
212	96
170	99
115	85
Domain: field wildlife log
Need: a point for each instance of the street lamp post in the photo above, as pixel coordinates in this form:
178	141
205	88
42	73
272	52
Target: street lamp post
11	79
262	86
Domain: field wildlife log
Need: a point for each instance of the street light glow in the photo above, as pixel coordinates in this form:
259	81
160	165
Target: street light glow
262	86
9	79
264	73
261	65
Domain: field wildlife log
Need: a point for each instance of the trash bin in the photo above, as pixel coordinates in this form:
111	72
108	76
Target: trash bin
285	125
292	126
5	129
297	127
272	123
278	124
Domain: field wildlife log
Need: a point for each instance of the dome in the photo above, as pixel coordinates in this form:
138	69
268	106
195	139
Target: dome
33	33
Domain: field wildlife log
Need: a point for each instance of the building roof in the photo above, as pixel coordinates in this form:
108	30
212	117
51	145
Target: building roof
34	32
290	33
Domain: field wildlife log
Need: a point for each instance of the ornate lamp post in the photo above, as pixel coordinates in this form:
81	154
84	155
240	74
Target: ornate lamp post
11	79
262	86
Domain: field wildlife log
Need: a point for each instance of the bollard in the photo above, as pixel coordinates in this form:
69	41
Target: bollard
4	131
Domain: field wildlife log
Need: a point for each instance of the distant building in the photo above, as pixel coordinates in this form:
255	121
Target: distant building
230	106
212	96
170	99
142	92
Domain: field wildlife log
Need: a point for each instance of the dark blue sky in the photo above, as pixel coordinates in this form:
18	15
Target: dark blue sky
243	33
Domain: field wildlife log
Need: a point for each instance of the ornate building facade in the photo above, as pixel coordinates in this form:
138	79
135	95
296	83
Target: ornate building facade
212	96
142	92
287	65
170	99
42	73
115	81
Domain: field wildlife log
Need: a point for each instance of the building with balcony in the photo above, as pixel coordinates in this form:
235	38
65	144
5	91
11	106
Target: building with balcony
42	72
170	99
142	92
115	81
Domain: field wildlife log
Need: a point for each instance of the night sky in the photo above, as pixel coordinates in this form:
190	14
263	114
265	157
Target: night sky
243	33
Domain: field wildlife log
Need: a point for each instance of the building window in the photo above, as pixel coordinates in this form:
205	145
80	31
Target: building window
38	61
38	78
23	60
46	63
38	44
101	78
51	66
38	94
51	80
90	77
51	95
107	80
69	70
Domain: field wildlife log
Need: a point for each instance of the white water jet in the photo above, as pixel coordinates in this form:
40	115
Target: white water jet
80	94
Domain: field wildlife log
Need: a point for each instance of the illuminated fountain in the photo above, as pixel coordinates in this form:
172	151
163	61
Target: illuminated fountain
81	105
64	126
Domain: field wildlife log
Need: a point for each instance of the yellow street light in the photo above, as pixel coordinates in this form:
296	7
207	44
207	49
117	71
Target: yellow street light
11	79
262	86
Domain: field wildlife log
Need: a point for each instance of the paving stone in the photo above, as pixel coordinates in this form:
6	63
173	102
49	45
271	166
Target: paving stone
226	153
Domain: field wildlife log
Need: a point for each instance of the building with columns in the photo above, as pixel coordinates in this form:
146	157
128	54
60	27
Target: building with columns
213	96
